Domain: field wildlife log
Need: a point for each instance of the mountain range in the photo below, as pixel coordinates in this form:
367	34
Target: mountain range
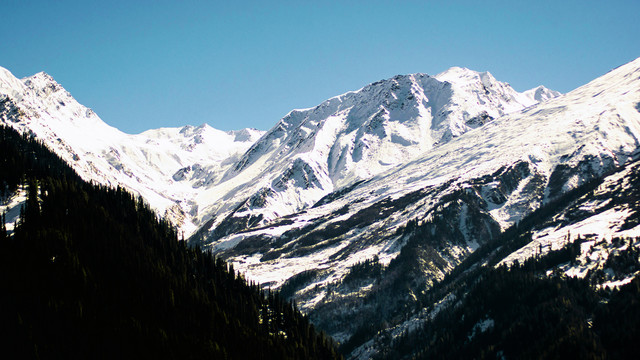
358	207
185	172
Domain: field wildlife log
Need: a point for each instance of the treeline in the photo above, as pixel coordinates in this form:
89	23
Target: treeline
22	157
92	272
519	312
364	270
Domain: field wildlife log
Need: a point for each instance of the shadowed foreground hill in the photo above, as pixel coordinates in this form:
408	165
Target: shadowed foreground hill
91	272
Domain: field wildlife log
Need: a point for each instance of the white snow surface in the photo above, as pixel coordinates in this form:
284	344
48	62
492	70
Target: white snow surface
601	227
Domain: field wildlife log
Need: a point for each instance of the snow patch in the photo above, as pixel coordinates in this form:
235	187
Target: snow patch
11	207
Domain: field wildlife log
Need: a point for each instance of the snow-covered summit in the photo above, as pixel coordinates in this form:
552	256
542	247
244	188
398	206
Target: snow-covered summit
9	84
469	83
541	93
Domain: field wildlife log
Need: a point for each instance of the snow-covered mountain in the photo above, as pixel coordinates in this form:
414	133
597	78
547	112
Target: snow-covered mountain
293	184
200	175
418	219
349	138
167	167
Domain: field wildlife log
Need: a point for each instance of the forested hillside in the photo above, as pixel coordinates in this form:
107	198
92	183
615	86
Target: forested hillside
91	272
527	311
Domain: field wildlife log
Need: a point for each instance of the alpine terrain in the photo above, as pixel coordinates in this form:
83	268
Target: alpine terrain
382	209
166	166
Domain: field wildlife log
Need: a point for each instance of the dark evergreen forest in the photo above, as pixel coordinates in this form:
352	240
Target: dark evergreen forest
91	272
530	314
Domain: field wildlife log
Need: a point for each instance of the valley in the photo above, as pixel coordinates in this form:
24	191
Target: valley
364	208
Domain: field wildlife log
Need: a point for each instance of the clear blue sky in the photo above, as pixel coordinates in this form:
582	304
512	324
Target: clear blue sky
236	64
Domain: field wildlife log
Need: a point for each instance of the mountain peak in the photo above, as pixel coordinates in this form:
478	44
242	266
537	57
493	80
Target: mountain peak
541	93
459	75
43	84
41	75
190	129
457	70
246	135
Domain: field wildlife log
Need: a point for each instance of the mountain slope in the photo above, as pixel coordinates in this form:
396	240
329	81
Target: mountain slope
524	311
419	220
92	272
588	237
166	166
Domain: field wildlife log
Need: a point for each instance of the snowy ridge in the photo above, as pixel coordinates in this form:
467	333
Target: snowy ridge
355	136
148	164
